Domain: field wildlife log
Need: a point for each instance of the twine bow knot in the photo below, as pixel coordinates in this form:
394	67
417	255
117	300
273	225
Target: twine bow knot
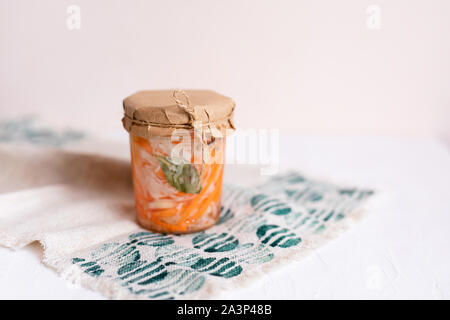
185	106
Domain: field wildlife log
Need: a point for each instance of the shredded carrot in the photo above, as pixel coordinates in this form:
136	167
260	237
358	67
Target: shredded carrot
194	203
168	227
213	197
143	143
165	212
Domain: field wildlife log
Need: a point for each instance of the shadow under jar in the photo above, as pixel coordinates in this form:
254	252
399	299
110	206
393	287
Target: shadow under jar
177	142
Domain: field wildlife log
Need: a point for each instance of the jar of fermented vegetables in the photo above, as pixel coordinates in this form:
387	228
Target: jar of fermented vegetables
177	141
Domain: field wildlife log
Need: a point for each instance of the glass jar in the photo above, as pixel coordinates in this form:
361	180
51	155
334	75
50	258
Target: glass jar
172	194
177	177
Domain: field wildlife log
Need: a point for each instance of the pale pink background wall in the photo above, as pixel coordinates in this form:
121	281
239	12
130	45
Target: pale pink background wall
309	66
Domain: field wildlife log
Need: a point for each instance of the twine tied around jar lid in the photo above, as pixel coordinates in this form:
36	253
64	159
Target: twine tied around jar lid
185	106
191	113
193	121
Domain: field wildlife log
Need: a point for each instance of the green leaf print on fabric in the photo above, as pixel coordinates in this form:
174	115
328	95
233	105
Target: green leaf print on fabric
262	202
276	236
151	239
25	130
171	265
215	242
218	267
225	215
212	263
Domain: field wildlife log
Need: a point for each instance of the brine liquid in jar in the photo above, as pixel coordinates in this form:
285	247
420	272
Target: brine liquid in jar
176	194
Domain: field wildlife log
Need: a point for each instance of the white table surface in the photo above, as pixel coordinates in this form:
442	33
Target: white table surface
401	250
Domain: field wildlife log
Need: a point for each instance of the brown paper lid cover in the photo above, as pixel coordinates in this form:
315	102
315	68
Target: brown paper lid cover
159	112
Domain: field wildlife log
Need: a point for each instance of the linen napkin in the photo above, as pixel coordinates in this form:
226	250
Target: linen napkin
80	207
